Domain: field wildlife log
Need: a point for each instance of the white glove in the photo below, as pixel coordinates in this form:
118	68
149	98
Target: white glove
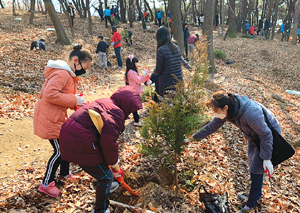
80	101
149	82
268	167
112	43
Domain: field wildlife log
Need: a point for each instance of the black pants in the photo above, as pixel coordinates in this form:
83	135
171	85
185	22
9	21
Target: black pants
186	48
53	163
159	22
136	116
107	18
104	177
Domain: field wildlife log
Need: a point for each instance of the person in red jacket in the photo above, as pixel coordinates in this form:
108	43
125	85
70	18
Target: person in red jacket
116	43
252	29
81	143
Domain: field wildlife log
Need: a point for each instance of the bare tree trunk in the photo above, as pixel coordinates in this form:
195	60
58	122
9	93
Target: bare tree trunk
149	9
274	18
208	32
14	7
176	23
60	32
123	11
141	13
130	13
32	8
290	9
63	7
165	18
296	22
105	3
155	11
1	4
89	17
231	31
175	172
194	11
186	12
256	12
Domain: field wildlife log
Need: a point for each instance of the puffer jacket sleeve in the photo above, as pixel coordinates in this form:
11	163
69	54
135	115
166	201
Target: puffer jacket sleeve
209	128
135	77
257	123
159	62
108	144
53	90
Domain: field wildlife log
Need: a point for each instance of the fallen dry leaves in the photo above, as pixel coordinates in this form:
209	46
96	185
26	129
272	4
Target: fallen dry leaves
262	71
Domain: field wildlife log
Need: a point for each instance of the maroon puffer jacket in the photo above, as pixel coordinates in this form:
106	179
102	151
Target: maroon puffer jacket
79	139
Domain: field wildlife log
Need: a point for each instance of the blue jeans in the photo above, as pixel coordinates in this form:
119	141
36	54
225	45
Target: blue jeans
104	177
118	54
255	189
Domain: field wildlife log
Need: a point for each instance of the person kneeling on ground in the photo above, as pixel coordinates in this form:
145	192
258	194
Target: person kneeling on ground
81	142
249	116
38	45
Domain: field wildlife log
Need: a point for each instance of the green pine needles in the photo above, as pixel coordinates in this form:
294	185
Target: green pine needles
178	115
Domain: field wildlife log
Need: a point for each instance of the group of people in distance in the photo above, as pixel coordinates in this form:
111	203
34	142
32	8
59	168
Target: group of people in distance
76	139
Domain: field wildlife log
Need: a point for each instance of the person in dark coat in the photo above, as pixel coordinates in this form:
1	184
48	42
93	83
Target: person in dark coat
168	61
267	28
186	34
100	12
39	45
81	143
71	11
216	19
248	115
287	30
260	26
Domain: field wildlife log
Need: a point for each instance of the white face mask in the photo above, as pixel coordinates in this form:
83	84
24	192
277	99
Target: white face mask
220	115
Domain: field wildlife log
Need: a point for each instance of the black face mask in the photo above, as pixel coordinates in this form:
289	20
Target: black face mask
79	72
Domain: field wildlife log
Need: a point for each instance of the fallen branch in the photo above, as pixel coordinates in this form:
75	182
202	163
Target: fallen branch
129	207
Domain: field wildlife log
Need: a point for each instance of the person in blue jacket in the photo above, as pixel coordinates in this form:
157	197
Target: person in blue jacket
159	16
282	30
107	17
248	116
247	28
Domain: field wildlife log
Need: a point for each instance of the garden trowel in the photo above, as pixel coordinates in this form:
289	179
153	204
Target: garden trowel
98	122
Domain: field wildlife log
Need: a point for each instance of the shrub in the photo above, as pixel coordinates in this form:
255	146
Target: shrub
177	116
219	54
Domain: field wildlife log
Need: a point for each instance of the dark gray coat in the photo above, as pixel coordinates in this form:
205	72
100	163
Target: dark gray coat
168	64
250	119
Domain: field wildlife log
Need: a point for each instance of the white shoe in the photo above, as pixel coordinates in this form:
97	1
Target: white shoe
114	186
136	124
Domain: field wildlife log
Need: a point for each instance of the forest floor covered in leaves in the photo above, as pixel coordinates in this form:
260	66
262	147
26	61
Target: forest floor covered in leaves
262	70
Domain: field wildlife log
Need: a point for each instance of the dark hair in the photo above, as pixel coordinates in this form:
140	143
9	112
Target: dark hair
114	29
83	55
163	37
43	40
220	99
130	65
100	36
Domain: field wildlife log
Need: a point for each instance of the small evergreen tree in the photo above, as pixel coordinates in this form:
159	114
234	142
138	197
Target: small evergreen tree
172	120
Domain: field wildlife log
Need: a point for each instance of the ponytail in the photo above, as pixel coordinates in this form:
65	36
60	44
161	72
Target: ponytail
83	55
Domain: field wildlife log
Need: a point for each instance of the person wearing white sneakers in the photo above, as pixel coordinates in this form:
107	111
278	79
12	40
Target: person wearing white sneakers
132	78
57	95
249	116
94	146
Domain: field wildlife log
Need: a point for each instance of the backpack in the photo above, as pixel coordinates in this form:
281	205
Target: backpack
214	203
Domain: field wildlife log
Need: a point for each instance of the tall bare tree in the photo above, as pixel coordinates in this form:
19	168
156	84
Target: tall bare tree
296	22
141	13
149	10
208	32
14	7
174	6
231	31
123	11
60	32
131	12
1	4
32	8
89	17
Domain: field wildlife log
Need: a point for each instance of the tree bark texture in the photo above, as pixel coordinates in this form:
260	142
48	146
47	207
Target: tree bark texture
208	32
130	12
14	7
89	17
176	23
149	10
1	4
231	31
32	8
60	32
141	13
123	11
274	18
296	22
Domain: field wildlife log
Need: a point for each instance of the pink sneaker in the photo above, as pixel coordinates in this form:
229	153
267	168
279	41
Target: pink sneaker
72	178
50	190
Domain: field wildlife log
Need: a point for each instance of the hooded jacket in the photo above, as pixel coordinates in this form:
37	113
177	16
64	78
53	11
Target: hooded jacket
56	96
168	65
249	117
79	139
